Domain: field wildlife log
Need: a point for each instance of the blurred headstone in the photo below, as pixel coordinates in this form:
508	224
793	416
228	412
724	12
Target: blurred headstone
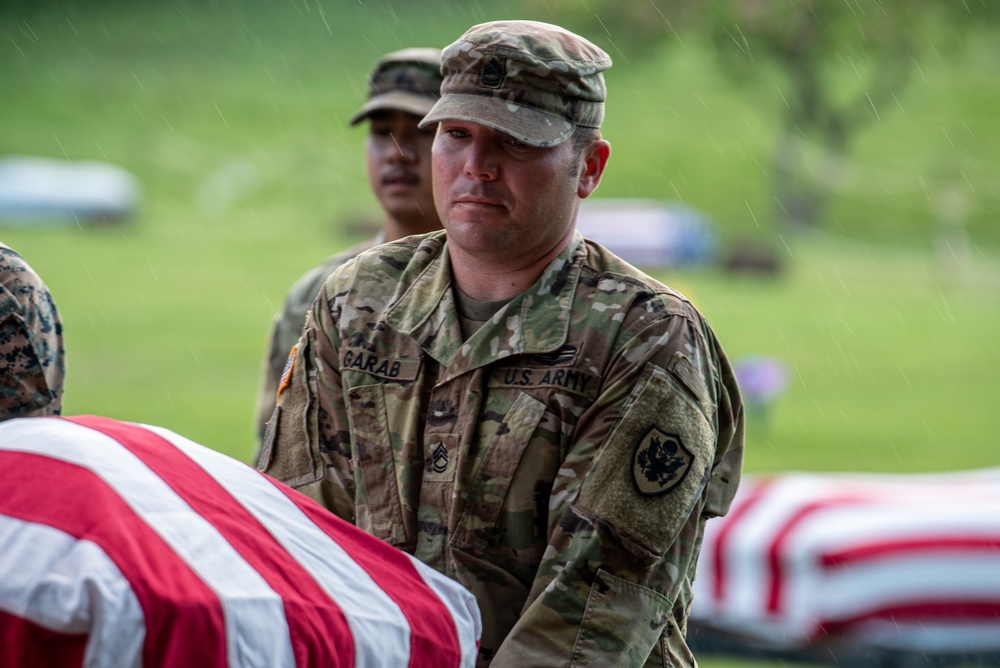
649	233
36	191
752	257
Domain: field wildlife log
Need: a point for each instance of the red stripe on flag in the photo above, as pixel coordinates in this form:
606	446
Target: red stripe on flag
892	548
724	531
946	611
77	502
433	636
774	552
24	643
319	632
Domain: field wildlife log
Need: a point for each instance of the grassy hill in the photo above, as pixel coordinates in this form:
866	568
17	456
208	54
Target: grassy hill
232	115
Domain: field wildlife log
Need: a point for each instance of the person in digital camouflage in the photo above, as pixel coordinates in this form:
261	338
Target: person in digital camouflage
402	87
509	402
32	357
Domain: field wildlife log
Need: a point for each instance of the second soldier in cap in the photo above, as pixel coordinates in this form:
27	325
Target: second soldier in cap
402	87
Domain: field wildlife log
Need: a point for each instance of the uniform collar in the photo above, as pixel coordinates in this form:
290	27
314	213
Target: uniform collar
536	321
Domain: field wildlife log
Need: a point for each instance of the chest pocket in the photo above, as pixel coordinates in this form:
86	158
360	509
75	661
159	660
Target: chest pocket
475	527
377	489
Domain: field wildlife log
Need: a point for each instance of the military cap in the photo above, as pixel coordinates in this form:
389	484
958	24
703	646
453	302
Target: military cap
408	80
534	81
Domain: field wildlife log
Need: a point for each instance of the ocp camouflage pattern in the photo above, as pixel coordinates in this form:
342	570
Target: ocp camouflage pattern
31	342
522	67
539	463
287	326
407	80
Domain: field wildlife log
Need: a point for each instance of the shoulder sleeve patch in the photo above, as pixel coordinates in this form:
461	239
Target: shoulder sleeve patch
659	462
286	375
651	470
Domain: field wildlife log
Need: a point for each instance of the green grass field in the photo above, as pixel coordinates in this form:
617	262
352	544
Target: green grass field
232	115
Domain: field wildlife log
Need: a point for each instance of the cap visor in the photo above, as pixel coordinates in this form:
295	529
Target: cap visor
418	105
531	126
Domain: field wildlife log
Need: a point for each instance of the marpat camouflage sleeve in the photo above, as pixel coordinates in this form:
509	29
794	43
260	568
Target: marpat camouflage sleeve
31	342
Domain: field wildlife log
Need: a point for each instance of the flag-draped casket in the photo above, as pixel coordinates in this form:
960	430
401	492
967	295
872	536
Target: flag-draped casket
897	562
128	545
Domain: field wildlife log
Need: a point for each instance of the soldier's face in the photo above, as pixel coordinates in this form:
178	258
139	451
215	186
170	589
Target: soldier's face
501	199
399	168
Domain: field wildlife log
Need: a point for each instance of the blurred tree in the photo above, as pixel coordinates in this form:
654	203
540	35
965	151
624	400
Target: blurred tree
839	64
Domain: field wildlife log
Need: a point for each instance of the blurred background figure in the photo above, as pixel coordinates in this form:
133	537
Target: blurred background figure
32	359
402	87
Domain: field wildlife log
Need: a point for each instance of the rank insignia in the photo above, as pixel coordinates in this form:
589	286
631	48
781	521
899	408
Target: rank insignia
439	458
493	72
564	355
659	462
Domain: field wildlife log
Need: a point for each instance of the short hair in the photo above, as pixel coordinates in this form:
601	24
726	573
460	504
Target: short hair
581	139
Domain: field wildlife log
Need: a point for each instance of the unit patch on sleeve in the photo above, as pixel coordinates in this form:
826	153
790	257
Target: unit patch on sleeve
659	462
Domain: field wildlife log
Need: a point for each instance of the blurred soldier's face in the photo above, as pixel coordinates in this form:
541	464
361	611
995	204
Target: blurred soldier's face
399	169
504	200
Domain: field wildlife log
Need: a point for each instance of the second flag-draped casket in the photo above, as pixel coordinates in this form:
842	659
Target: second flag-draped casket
896	562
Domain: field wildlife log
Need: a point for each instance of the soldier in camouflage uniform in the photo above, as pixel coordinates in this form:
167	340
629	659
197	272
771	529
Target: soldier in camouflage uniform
31	343
402	87
510	402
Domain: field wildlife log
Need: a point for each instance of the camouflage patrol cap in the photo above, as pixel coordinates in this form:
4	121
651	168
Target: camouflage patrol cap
534	81
408	80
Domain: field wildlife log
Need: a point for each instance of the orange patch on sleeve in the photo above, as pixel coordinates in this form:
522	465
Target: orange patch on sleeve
286	375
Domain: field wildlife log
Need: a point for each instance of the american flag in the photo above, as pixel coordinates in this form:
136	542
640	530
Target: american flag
129	545
887	561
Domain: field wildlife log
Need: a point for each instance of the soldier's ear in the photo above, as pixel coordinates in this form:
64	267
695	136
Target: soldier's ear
595	158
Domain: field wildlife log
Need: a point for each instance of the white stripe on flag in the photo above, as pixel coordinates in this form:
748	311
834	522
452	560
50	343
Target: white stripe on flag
463	609
380	629
252	636
42	583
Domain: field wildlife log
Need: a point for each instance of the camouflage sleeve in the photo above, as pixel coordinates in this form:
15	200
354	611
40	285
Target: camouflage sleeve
284	333
287	328
273	365
307	443
31	343
614	585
